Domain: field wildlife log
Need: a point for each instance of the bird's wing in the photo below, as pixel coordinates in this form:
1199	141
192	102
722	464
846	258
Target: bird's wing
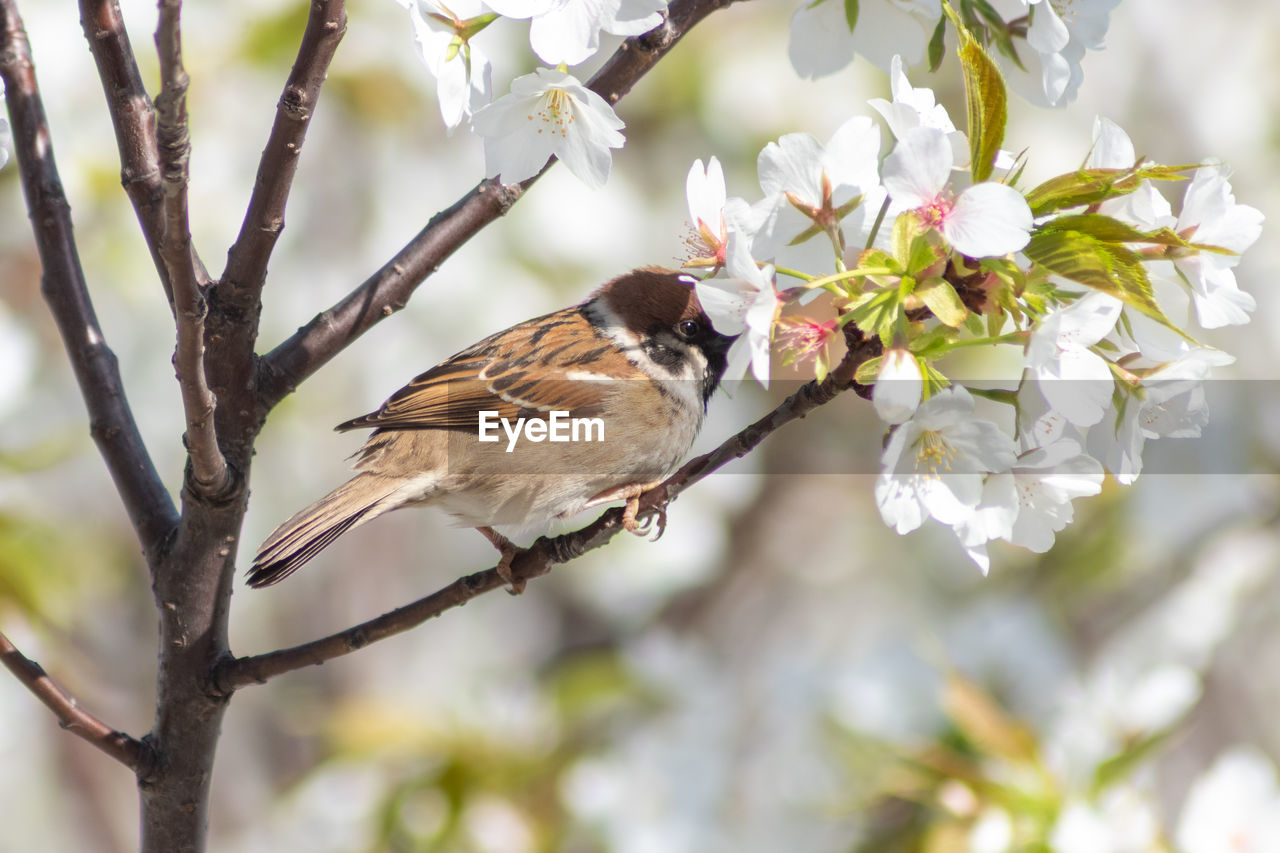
520	372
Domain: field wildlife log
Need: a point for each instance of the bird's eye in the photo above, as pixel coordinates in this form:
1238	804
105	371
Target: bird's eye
688	328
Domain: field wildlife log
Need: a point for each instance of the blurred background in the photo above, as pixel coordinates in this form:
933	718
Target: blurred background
780	671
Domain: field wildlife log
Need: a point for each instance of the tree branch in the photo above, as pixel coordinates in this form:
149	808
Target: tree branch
129	751
111	422
231	674
242	282
134	121
388	290
208	472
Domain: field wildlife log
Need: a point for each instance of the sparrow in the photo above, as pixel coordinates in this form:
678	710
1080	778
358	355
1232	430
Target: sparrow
634	365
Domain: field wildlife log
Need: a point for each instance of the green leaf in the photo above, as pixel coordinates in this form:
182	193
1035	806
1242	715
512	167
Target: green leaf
943	301
938	45
987	106
907	229
1090	186
471	26
924	254
876	313
973	324
1096	263
1113	230
851	13
933	343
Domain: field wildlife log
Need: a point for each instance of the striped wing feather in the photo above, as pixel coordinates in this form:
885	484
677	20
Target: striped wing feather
517	373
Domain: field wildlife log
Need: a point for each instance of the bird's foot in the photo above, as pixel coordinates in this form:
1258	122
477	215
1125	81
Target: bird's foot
508	550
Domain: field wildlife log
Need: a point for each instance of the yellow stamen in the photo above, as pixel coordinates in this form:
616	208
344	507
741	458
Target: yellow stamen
934	454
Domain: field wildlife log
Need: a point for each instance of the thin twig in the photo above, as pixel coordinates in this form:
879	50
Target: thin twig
388	290
111	422
242	282
128	750
231	674
209	475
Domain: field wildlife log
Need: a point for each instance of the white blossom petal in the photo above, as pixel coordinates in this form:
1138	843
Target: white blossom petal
917	169
988	219
898	386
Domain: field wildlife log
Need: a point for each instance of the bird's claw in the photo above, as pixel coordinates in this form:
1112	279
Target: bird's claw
655	517
508	550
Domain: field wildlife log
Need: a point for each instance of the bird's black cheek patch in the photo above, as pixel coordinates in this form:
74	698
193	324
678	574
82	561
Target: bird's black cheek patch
664	356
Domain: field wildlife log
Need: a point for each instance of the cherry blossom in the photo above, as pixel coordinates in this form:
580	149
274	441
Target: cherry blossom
711	214
568	31
1060	33
1211	216
744	303
1028	504
812	189
1169	404
1075	380
801	339
548	113
933	464
912	108
443	36
985	220
821	42
899	386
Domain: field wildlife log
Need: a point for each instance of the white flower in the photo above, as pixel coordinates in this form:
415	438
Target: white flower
985	220
743	304
705	196
912	108
1144	208
1060	33
1211	216
5	141
933	465
1170	404
712	215
822	44
1031	502
1233	808
1074	379
898	386
1147	209
810	187
548	112
462	72
568	31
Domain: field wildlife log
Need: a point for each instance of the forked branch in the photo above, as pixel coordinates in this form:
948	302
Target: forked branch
133	118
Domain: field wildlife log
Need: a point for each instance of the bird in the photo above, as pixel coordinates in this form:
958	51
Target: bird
635	365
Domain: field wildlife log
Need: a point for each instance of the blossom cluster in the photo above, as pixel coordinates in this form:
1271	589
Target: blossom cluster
1089	277
1039	43
547	112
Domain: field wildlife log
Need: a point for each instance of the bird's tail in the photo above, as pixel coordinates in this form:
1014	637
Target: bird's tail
360	499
